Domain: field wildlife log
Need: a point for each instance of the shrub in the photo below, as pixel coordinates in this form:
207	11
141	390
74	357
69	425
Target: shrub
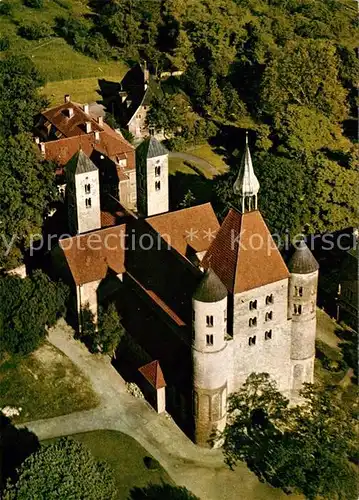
34	4
151	463
63	4
5	8
4	43
35	31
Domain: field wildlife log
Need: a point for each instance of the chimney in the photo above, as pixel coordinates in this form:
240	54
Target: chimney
71	112
42	148
37	140
97	136
86	108
100	121
88	127
67	98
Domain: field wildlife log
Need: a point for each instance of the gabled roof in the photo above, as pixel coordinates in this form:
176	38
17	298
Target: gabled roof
90	256
73	125
210	289
151	148
153	374
62	150
302	261
244	255
193	227
80	164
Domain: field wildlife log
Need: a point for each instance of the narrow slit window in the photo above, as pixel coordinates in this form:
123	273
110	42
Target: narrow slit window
87	188
269	299
88	202
209	321
297	309
268	335
252	340
252	305
269	316
209	339
158	185
252	322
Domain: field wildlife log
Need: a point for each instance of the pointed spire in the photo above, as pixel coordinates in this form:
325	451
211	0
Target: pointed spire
246	184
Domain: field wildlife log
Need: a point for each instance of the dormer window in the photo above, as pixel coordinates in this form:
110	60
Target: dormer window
87	188
252	322
209	321
252	305
88	202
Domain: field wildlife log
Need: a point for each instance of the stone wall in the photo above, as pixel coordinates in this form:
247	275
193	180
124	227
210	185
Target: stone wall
157	198
265	346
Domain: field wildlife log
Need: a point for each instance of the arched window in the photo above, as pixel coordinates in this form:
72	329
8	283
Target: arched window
252	305
87	188
209	320
157	171
300	291
269	316
268	335
157	185
88	202
269	299
252	322
209	339
297	309
252	340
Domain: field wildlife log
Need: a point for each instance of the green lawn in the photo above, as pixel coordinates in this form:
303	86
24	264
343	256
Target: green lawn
125	457
206	152
58	61
45	384
177	165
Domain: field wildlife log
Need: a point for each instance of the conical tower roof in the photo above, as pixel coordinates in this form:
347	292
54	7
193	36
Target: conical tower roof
302	261
246	183
210	289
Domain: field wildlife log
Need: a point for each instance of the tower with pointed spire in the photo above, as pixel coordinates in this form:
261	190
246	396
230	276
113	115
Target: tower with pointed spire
246	185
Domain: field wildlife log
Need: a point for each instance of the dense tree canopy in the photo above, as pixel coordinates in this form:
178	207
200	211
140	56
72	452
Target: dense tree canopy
305	448
65	469
27	307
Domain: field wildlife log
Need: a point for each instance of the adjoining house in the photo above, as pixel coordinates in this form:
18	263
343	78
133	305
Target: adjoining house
208	303
64	130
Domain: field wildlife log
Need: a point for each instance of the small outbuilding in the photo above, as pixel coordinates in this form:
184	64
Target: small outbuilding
155	384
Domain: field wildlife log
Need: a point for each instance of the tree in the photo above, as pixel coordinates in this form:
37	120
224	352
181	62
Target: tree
305	448
27	307
19	98
161	492
65	469
188	200
27	187
110	329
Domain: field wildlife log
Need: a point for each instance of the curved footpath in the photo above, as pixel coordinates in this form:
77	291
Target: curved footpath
201	470
195	159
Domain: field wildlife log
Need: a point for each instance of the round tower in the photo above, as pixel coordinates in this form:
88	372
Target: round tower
209	305
302	299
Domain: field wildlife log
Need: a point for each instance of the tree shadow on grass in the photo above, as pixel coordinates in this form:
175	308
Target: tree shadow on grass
180	184
161	492
15	446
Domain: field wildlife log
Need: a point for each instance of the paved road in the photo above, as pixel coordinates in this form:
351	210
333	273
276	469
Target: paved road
196	159
201	470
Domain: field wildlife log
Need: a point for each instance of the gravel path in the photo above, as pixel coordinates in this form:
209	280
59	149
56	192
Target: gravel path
201	470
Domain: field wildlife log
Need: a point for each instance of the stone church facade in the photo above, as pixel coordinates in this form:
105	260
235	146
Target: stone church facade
222	301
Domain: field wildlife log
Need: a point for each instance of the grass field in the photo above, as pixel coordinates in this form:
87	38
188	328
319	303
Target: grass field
45	384
206	152
125	457
56	60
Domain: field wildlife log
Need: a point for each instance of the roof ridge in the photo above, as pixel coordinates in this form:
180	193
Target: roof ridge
180	210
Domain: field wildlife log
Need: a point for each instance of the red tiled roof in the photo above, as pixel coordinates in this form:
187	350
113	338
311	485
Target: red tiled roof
244	255
70	126
195	227
62	150
90	256
153	373
111	219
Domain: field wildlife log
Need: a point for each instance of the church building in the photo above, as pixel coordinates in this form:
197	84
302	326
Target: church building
206	303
